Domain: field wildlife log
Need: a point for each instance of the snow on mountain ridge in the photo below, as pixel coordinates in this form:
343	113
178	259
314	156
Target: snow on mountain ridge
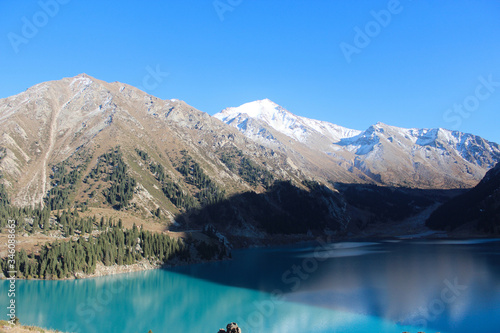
66	114
297	127
471	148
255	120
81	79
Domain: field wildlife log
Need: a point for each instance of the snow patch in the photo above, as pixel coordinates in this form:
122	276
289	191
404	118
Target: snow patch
280	119
81	80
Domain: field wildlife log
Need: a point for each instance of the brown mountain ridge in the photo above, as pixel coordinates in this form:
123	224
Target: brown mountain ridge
83	142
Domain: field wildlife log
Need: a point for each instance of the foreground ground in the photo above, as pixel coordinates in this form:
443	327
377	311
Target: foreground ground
5	327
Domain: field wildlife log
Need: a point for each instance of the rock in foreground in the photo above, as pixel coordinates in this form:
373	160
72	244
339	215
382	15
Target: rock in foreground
231	328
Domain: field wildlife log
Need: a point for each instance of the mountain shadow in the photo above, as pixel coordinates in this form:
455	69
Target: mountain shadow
283	209
373	204
477	210
286	211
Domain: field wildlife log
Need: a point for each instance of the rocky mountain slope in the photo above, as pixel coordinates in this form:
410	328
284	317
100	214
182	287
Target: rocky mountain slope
82	142
475	210
382	154
50	122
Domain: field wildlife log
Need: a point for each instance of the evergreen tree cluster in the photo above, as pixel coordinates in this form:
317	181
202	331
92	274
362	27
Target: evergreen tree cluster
158	171
229	159
209	192
115	246
311	184
208	251
179	197
65	177
71	223
142	154
283	209
112	168
254	174
4	198
247	169
27	218
3	153
156	168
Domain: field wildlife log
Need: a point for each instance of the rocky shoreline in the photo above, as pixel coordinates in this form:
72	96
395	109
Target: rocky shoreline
102	270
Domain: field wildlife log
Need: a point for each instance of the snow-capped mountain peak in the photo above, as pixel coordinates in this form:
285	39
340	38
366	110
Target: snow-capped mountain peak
263	109
408	141
383	153
299	128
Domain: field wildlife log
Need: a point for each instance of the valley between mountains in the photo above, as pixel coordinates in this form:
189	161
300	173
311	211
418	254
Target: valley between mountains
100	174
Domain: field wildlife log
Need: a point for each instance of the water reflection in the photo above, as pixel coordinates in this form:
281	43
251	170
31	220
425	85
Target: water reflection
170	302
355	287
433	284
457	241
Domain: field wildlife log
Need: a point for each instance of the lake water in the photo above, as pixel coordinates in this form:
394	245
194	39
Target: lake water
380	286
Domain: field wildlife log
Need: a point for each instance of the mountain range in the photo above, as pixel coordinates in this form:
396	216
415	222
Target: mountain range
258	165
383	154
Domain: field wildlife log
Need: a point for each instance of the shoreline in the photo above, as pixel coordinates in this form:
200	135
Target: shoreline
115	269
9	328
145	265
101	270
6	326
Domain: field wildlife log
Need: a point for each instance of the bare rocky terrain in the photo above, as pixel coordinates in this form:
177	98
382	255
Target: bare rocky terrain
255	172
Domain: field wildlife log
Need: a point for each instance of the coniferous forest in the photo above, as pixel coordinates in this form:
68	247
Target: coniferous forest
92	240
61	259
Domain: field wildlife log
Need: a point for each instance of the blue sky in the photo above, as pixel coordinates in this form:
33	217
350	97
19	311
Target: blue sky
354	63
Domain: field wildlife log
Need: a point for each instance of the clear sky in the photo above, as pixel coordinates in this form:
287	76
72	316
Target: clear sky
419	63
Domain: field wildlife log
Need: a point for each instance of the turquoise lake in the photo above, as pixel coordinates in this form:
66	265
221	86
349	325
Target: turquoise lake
379	286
